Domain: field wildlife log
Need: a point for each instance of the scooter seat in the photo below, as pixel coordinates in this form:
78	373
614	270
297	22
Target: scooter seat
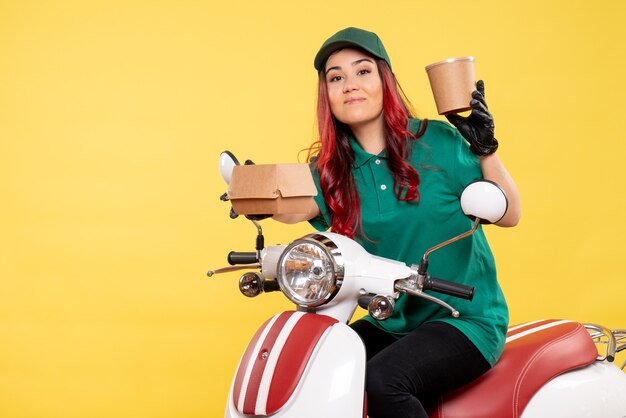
534	353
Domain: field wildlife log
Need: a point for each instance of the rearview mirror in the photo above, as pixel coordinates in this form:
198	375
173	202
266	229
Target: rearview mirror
227	162
484	199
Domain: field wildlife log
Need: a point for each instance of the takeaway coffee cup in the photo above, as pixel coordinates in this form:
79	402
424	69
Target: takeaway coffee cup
452	81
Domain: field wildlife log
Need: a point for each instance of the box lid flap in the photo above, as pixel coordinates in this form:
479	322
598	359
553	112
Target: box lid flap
269	181
253	182
295	180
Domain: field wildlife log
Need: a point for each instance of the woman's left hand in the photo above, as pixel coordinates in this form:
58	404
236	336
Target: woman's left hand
478	127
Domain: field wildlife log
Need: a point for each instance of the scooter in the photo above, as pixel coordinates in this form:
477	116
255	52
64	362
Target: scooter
309	363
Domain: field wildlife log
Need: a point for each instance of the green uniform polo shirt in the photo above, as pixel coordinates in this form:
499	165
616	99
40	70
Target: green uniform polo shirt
405	230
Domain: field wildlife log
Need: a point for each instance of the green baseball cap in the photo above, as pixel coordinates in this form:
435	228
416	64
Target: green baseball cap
368	41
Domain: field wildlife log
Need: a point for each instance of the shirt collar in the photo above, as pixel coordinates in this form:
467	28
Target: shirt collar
362	157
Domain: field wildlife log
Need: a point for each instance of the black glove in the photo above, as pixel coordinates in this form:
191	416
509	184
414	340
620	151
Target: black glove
478	127
258	217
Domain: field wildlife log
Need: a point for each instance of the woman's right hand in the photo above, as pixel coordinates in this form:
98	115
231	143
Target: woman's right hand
478	128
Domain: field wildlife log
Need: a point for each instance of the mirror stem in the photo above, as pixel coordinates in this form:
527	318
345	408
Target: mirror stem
424	263
260	240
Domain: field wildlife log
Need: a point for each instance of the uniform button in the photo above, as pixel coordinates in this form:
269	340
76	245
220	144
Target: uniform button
377	162
383	187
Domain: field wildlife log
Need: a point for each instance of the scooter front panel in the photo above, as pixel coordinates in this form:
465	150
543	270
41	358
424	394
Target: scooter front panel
275	360
246	364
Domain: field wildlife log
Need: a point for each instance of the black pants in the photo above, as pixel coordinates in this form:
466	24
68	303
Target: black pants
402	374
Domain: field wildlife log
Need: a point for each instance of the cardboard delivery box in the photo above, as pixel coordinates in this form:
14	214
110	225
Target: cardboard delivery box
271	189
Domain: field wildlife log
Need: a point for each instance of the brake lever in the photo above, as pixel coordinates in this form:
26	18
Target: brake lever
233	268
405	285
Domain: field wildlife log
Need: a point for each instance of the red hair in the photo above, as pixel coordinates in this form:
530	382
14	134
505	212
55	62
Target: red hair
335	155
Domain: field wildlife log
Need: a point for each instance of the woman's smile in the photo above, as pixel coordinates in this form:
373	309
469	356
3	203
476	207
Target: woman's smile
354	100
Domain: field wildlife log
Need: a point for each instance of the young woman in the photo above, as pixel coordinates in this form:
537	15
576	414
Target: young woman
393	182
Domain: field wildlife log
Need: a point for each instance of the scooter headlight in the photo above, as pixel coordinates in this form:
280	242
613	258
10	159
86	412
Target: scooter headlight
310	271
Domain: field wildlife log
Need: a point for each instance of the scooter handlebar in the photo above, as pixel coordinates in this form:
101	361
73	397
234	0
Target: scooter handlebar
449	288
241	257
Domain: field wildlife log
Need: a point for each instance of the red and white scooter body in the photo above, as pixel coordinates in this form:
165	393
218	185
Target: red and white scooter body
311	365
297	360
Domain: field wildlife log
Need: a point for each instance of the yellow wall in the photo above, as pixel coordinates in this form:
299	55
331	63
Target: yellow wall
113	113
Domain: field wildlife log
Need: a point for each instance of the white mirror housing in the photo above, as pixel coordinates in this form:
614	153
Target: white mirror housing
227	162
484	199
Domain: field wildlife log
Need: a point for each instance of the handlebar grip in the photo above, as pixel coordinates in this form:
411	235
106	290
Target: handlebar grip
449	288
364	300
241	257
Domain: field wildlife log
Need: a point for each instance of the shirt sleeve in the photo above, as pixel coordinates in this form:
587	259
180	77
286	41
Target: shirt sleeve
323	221
466	165
451	152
